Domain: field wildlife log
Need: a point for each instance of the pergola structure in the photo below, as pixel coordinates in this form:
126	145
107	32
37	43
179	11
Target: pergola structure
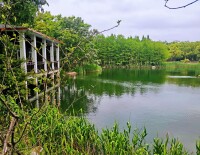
39	52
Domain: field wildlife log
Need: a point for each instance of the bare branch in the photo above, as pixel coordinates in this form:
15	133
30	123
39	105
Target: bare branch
118	23
9	132
180	7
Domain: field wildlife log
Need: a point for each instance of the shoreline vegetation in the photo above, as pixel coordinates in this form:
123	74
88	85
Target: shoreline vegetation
90	68
60	133
178	64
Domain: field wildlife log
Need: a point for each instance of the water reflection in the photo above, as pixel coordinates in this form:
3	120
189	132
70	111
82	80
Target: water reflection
50	96
151	98
83	92
188	81
76	99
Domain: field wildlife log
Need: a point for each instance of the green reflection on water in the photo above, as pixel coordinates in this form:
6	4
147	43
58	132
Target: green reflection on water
80	93
165	101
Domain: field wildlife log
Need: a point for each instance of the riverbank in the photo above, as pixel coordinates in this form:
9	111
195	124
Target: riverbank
182	65
59	133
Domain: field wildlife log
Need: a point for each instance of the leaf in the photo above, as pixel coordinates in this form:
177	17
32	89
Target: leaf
37	90
3	16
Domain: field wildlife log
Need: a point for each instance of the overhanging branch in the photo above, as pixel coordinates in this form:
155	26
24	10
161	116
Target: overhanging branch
118	23
179	7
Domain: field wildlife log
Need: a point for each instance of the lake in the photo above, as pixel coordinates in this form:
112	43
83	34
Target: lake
163	101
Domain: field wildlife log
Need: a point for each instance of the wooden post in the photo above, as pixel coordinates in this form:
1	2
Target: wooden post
23	51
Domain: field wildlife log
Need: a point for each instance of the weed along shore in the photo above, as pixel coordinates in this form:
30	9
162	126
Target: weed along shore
59	133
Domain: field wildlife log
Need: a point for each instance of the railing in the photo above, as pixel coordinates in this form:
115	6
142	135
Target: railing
40	66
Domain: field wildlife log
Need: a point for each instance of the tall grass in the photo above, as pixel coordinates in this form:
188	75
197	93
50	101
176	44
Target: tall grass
62	134
184	68
181	65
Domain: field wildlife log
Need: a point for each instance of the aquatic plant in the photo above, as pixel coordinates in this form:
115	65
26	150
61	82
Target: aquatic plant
59	133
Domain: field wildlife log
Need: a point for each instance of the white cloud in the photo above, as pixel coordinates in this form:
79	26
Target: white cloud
140	17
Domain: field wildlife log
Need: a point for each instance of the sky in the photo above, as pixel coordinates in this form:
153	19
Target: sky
139	17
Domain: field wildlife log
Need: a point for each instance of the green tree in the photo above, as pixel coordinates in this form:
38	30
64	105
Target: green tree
18	12
120	51
77	48
175	52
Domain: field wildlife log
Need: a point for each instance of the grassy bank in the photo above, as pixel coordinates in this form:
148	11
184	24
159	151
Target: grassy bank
59	133
192	69
181	65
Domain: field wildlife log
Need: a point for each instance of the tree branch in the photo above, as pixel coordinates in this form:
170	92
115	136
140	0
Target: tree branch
9	132
118	23
180	7
8	108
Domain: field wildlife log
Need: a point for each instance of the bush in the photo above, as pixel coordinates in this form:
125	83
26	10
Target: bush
88	68
92	68
185	61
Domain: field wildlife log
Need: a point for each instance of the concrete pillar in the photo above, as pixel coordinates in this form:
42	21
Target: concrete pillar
52	55
58	56
23	50
44	53
34	53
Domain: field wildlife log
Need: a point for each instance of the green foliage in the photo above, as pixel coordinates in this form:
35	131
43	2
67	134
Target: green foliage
60	133
184	51
198	147
88	68
13	77
120	51
185	60
77	48
167	146
182	65
17	12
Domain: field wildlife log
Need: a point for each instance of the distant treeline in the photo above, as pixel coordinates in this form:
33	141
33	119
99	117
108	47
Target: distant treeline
82	46
120	51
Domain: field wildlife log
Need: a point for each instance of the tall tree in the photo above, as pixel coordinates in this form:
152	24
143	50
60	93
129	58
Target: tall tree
73	32
18	12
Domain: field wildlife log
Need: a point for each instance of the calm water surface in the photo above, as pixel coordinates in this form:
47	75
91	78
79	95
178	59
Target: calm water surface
162	101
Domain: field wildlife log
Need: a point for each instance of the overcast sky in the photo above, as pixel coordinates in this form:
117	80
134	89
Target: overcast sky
139	17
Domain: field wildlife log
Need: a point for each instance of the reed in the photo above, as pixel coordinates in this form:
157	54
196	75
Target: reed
181	65
59	133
